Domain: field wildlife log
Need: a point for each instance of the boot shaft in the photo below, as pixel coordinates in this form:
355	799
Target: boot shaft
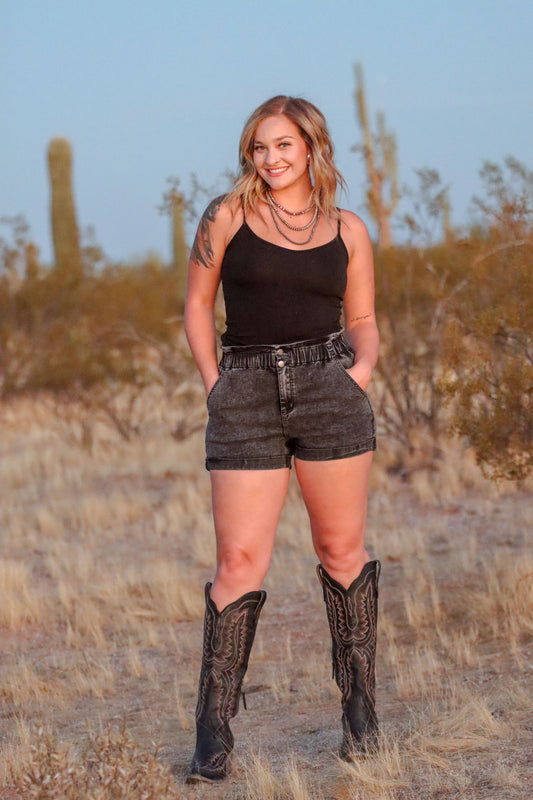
352	617
228	639
227	643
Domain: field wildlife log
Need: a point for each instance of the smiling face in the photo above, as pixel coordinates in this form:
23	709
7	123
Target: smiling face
280	154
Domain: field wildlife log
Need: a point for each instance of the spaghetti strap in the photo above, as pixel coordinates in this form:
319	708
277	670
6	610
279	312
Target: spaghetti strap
242	206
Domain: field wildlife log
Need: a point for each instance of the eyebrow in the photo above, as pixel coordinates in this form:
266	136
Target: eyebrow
277	139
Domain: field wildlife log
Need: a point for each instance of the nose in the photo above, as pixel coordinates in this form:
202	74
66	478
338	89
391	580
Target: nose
271	158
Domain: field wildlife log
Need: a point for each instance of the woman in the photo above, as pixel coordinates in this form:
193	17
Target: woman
287	386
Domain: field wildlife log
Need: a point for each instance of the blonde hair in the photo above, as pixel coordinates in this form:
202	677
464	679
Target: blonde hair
249	187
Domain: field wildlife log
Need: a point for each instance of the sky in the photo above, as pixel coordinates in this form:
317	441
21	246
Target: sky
149	89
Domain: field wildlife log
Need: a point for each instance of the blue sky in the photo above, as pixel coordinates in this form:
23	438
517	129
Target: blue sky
147	89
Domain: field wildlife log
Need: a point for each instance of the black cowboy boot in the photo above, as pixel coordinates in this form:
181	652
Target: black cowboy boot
228	639
352	616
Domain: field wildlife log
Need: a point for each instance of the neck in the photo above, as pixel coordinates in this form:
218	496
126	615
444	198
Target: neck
294	197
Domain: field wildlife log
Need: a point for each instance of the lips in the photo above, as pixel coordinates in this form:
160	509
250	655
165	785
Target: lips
277	171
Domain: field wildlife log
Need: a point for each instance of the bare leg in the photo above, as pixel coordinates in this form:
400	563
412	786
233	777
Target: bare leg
335	494
246	509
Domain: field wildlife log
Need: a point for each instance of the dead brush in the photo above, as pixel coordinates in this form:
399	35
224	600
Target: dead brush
315	678
460	646
262	783
421	599
398	542
428	759
501	605
165	590
110	767
280	685
380	775
94	600
22	601
297	783
458	721
22	682
506	599
420	674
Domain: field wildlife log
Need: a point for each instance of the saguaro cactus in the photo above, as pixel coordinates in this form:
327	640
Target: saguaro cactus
65	235
31	254
179	247
379	152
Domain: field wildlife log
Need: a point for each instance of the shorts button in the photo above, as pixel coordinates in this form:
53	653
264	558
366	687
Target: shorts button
281	363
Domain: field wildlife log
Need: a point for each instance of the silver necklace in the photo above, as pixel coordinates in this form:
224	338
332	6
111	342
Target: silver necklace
294	227
286	210
316	218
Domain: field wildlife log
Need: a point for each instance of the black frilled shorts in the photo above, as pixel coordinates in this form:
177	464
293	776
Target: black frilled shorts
271	402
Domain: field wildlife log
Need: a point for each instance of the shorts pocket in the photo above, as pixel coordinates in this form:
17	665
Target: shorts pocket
344	362
214	388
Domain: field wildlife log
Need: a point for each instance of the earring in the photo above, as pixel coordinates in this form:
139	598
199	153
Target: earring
309	158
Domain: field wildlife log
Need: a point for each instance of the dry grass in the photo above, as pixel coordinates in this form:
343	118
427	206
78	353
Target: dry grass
111	765
104	556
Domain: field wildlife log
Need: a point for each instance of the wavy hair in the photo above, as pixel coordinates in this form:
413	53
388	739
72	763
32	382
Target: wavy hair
249	187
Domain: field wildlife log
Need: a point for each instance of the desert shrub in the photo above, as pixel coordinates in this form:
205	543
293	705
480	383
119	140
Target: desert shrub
455	321
488	351
58	335
111	767
415	286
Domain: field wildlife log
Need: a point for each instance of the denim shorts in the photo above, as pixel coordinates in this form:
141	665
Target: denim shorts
271	402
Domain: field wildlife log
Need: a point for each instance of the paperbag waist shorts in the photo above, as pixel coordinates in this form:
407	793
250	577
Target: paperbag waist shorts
271	402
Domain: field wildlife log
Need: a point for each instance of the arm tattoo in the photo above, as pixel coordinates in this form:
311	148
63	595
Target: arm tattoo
355	319
202	249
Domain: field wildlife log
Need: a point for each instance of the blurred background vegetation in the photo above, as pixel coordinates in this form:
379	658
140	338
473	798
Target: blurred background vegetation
455	309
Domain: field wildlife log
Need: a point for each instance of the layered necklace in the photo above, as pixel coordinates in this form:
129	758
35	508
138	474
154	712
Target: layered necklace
276	208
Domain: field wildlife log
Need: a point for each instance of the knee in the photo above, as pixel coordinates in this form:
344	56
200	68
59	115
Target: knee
236	564
340	557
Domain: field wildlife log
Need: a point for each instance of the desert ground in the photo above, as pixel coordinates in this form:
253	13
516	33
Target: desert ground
106	547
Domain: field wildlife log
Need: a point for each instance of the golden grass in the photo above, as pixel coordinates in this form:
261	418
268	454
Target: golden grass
421	673
104	558
21	602
461	720
260	781
287	783
280	684
111	766
505	601
429	756
380	773
314	677
421	599
461	646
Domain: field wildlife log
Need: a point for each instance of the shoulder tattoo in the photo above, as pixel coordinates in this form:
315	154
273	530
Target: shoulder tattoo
202	249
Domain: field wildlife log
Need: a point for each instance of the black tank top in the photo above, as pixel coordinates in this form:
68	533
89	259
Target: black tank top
275	295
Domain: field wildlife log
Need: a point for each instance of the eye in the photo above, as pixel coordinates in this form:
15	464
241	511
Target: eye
285	144
258	147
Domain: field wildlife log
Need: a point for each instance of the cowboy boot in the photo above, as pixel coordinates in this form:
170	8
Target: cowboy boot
352	616
228	639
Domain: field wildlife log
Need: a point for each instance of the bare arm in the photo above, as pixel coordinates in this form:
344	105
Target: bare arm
361	327
204	276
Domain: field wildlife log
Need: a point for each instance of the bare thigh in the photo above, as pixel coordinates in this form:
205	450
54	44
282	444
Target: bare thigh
335	494
246	509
